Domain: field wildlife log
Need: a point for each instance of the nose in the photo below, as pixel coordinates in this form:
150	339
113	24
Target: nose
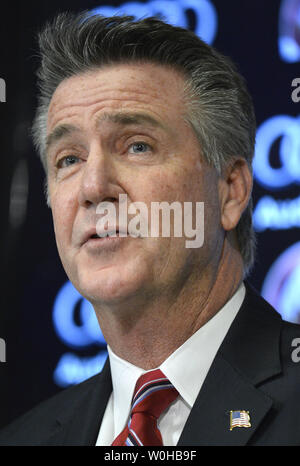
98	180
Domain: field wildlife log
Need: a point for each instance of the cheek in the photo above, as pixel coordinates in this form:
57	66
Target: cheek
63	213
171	183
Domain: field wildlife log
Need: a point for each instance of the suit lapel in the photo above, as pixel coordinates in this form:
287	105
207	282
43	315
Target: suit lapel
79	426
224	390
249	355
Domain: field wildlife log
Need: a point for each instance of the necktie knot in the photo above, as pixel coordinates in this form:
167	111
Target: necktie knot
152	395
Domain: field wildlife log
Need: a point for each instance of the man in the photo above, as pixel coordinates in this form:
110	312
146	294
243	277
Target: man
147	110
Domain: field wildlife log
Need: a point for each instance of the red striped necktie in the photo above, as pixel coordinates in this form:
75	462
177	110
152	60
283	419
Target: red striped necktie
152	395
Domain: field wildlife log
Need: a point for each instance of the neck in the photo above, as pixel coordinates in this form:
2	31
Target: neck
147	338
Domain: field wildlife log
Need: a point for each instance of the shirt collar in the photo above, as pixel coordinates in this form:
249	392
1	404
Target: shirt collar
124	377
187	378
188	366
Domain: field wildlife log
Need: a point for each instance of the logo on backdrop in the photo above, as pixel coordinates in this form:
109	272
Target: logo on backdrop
286	129
289	31
270	212
76	325
282	283
200	14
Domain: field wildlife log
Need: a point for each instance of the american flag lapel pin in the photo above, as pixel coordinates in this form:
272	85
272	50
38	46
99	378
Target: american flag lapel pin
239	419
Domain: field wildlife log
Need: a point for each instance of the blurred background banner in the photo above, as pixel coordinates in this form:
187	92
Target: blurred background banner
49	336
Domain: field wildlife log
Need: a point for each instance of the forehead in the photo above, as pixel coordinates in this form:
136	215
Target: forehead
156	88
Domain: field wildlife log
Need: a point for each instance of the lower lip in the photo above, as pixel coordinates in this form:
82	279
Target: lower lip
106	241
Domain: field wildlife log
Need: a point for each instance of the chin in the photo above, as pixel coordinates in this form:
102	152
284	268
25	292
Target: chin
109	287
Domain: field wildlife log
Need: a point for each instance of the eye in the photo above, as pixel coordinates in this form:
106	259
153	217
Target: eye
139	148
67	161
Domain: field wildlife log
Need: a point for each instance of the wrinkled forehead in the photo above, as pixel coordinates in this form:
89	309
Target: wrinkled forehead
141	85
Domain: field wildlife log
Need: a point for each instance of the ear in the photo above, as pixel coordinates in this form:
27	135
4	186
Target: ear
235	187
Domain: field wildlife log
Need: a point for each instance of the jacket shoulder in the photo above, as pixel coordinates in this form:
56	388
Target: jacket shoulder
289	341
36	426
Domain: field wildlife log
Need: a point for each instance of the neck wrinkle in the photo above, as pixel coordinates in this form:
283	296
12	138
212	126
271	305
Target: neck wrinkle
149	340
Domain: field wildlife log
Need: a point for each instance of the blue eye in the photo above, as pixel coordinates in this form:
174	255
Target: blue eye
67	161
139	148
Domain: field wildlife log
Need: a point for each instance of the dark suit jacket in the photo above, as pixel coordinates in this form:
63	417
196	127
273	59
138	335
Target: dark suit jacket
253	371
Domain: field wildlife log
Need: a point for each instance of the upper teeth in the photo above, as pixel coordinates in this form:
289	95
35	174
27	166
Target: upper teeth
106	234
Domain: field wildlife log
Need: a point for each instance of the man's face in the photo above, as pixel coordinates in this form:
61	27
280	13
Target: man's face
121	130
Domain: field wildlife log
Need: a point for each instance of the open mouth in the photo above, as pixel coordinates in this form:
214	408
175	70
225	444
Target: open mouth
107	234
111	234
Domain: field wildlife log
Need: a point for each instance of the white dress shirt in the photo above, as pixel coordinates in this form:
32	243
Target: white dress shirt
186	369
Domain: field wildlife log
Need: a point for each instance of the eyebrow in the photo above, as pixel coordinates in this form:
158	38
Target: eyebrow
58	133
119	118
130	118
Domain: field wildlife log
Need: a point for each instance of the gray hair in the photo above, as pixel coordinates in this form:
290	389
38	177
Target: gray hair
219	107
